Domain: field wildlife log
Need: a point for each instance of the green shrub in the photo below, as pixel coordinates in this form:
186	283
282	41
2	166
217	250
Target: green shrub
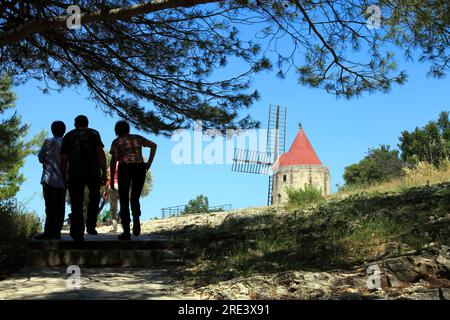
16	227
381	164
300	197
198	205
15	224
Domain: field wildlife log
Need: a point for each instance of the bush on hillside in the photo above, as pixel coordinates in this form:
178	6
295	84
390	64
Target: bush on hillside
380	164
16	227
198	205
300	197
430	143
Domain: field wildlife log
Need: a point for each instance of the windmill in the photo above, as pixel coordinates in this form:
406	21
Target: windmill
256	162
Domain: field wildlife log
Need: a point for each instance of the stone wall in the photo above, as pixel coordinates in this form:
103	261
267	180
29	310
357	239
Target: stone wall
299	177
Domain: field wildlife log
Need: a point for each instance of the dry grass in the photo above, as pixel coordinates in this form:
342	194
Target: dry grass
351	228
424	174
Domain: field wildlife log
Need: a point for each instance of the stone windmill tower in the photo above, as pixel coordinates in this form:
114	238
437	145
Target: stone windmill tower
298	168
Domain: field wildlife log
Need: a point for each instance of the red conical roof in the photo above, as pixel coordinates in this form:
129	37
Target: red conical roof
300	153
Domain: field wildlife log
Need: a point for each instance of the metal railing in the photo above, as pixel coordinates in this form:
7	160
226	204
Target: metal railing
177	211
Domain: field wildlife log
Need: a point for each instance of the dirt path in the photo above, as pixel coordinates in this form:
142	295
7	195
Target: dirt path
95	283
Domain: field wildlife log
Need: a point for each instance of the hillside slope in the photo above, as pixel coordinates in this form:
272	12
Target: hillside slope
324	251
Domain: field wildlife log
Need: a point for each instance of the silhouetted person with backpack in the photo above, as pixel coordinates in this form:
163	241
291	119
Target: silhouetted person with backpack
53	183
127	150
82	152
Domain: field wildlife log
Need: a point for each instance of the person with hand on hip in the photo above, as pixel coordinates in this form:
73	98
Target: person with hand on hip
127	150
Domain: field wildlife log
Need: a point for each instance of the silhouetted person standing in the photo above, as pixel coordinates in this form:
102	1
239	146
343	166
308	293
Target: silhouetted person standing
53	183
82	152
127	150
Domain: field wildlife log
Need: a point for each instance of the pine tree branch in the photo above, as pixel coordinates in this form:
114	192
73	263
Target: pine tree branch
38	26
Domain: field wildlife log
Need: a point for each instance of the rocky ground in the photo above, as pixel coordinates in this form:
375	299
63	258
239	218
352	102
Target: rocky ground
185	223
407	277
407	246
383	246
414	276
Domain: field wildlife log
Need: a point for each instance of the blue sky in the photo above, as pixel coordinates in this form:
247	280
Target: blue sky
341	132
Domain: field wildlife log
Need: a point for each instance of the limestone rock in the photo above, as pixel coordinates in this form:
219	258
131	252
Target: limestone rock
443	259
411	268
402	268
445	293
418	292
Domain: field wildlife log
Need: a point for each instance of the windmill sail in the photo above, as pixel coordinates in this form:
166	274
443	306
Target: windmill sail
256	162
276	131
251	161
